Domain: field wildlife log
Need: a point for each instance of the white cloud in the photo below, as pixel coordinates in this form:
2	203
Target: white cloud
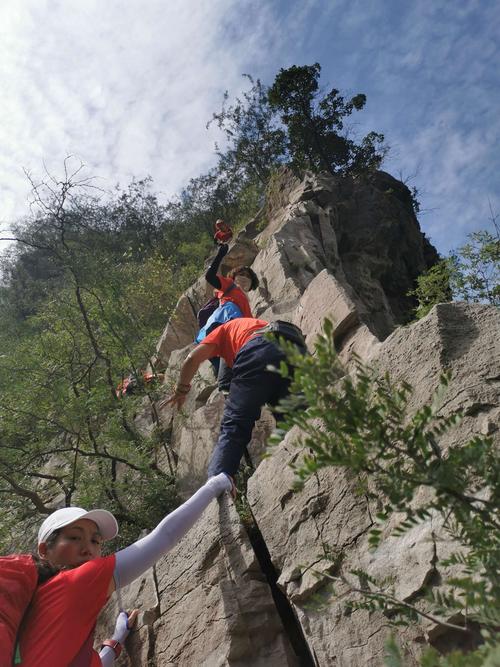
129	86
126	86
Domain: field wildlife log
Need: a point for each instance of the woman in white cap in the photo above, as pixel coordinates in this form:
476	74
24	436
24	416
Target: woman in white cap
58	629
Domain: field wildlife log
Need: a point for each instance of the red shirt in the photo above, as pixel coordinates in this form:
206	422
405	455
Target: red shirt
62	614
230	337
236	295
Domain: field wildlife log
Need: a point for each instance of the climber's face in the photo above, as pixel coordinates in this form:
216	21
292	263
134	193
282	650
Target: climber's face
74	545
243	281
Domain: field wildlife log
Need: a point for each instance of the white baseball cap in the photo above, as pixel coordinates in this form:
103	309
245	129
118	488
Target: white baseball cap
106	522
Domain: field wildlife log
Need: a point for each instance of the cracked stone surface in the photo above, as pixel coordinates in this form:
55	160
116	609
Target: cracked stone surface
350	251
141	594
216	608
459	337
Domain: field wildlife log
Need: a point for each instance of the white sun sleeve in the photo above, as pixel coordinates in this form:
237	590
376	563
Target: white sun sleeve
106	653
135	559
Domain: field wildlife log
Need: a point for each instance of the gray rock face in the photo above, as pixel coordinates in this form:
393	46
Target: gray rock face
245	591
365	235
459	337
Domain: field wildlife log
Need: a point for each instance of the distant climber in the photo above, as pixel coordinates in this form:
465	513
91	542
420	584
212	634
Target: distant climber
132	382
242	345
230	301
223	232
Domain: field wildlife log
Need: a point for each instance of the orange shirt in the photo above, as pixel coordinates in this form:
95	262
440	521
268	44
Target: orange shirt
230	337
236	295
62	614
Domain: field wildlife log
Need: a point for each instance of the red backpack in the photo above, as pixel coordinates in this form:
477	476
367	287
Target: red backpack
18	581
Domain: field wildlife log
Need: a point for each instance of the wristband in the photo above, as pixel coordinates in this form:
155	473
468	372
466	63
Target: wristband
114	644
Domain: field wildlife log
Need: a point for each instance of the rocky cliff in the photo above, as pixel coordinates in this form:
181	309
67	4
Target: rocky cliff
238	592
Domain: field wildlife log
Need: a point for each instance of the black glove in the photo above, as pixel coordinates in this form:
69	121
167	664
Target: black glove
223	250
211	275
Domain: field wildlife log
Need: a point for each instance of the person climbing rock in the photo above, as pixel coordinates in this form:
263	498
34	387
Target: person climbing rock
245	349
231	293
20	576
243	277
58	628
223	232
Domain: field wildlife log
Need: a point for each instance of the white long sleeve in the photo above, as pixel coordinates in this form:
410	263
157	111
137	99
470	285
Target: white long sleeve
121	633
107	656
134	560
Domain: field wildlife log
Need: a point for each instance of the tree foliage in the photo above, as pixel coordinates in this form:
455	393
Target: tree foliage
93	317
316	136
433	286
255	141
87	288
363	423
292	123
475	267
470	273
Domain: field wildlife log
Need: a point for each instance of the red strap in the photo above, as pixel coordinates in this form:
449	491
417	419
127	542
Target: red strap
114	644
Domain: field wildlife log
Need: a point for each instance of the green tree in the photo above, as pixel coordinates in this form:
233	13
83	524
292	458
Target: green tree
255	142
475	267
88	286
315	123
433	286
470	273
102	303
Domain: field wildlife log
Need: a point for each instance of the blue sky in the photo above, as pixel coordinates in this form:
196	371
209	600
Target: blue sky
128	86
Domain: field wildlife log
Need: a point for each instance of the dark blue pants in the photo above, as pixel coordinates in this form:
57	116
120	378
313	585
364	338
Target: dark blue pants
252	386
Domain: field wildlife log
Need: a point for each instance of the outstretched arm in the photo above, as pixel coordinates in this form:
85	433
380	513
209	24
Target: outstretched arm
134	560
211	275
195	358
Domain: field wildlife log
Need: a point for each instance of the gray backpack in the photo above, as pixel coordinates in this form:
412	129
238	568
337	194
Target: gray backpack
288	331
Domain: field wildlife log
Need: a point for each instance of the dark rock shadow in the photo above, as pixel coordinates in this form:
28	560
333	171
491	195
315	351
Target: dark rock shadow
298	649
458	331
